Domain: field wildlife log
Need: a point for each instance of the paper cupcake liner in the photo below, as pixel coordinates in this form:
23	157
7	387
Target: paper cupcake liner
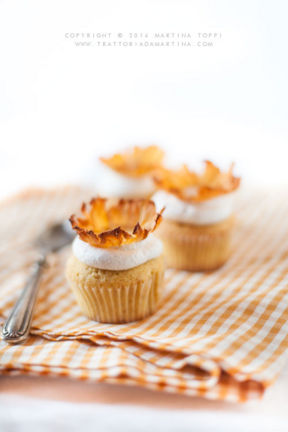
109	303
196	248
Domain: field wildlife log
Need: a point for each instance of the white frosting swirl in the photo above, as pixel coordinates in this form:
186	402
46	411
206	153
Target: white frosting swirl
118	258
116	185
199	213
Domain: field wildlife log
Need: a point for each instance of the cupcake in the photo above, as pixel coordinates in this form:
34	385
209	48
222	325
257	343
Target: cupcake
116	268
129	174
198	217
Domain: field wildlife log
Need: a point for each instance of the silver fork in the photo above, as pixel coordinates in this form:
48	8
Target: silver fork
17	326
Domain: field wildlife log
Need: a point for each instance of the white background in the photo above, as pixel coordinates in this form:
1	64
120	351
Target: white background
63	105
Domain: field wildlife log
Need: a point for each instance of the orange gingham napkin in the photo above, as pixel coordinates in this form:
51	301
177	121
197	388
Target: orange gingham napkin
221	335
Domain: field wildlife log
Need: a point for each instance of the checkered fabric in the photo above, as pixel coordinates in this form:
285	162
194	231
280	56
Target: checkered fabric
220	335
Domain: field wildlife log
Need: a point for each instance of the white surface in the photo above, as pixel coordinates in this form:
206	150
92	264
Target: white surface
59	416
199	213
120	258
133	409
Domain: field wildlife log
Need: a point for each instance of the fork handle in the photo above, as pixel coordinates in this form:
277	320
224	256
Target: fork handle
17	326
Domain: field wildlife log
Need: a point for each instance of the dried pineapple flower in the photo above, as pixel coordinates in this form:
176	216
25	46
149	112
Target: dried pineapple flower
191	186
109	223
137	161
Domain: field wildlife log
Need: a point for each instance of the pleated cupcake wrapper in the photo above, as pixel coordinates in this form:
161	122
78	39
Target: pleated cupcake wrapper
119	304
197	250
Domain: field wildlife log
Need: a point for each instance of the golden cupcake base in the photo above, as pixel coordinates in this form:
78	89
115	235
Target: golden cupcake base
196	247
116	296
